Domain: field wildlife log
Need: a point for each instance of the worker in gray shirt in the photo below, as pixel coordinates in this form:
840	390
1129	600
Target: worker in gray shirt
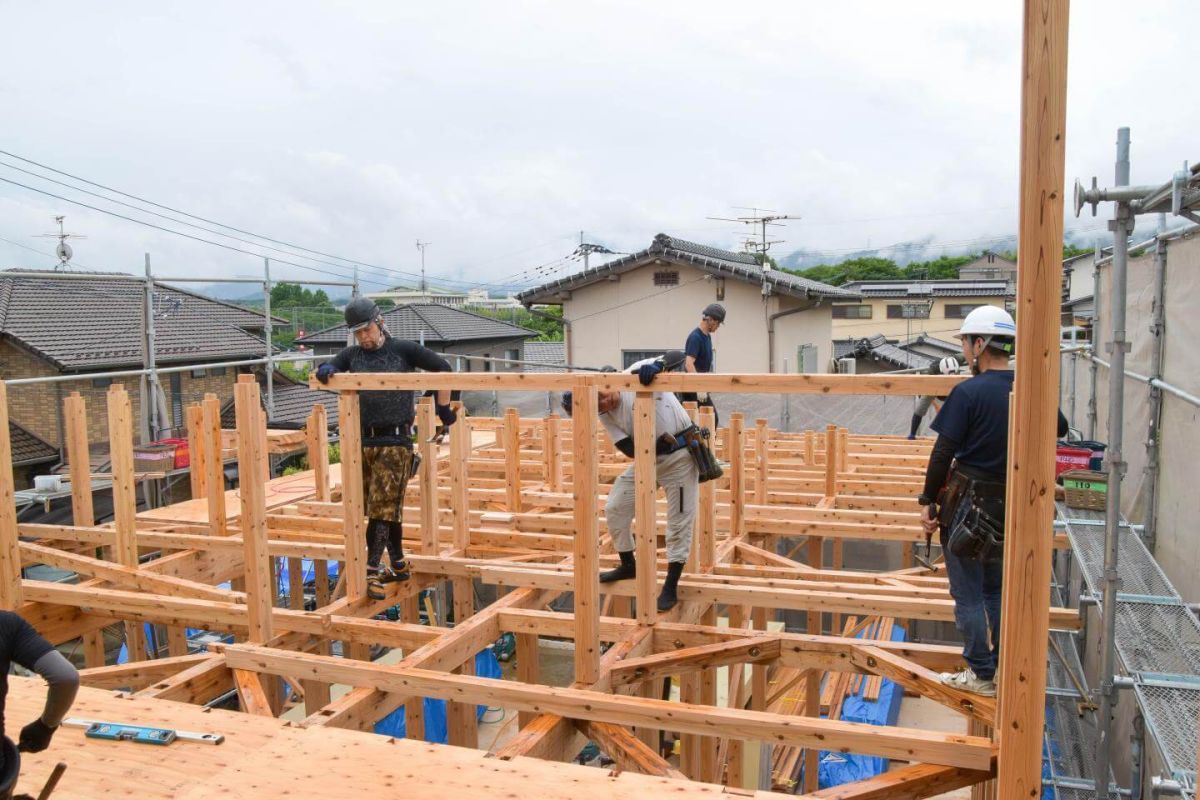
21	644
675	472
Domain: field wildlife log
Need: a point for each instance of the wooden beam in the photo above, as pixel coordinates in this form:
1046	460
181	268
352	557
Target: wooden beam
756	650
912	782
198	684
210	428
1030	502
10	556
645	520
256	559
251	693
629	752
585	562
902	743
350	439
137	675
924	682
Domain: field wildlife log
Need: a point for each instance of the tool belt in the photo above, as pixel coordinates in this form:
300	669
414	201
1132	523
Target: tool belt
971	515
696	441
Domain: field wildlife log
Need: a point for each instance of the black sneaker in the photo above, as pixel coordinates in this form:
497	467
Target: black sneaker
377	577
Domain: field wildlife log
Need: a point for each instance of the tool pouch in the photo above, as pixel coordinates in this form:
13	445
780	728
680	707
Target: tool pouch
706	463
976	525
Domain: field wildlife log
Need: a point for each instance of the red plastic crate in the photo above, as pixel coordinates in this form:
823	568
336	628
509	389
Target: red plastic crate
182	455
1067	458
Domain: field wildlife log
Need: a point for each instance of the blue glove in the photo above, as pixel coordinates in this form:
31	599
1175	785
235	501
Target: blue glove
646	372
324	371
447	415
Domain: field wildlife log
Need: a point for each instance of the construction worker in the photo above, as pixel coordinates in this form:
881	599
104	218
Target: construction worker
675	471
947	366
20	643
699	352
387	421
963	497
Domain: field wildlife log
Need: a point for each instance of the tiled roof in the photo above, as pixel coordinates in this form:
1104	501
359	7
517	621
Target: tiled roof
946	288
552	354
440	325
879	348
27	448
933	342
742	266
97	324
293	403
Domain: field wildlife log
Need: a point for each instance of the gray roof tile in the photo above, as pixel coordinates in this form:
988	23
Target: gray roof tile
28	448
711	259
552	354
439	324
97	324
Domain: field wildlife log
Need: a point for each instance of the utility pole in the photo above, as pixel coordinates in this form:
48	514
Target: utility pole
585	249
421	246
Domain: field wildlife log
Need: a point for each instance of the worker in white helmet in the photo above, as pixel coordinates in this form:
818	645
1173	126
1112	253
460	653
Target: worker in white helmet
947	366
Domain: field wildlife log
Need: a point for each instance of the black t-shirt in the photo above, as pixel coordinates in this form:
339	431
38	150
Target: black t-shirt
699	346
388	409
19	642
975	418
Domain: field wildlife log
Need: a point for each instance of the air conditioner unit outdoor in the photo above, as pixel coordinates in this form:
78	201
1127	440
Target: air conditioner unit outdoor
849	366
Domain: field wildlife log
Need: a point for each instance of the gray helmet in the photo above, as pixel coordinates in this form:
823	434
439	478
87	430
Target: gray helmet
714	311
361	312
673	360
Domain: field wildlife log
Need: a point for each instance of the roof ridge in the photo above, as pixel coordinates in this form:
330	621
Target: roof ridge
420	316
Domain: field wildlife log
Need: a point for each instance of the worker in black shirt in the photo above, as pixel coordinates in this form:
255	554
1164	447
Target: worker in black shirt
387	420
963	497
698	350
20	643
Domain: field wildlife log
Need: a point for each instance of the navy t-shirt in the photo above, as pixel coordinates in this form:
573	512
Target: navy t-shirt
699	346
19	642
975	417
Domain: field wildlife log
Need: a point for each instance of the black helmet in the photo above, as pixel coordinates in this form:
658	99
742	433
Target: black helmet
714	311
673	360
361	312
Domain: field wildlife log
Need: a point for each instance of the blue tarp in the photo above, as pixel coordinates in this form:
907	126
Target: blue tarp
835	769
486	666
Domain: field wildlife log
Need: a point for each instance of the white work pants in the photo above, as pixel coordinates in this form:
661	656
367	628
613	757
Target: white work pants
676	473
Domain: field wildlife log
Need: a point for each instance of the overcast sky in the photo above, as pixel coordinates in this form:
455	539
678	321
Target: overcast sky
498	131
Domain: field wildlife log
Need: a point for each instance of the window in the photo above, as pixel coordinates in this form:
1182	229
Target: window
895	311
631	357
960	310
512	355
101	383
666	277
487	365
197	373
217	372
852	312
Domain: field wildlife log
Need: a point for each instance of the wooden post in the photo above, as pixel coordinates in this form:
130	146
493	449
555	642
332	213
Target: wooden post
1027	543
10	553
706	516
460	452
78	458
252	491
831	461
758	695
737	475
211	434
689	743
462	728
414	708
350	436
512	458
645	522
584	486
528	668
317	441
761	432
816	559
426	428
124	498
197	457
843	449
552	452
733	697
708	697
812	708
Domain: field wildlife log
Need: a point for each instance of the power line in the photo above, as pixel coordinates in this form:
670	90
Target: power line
349	261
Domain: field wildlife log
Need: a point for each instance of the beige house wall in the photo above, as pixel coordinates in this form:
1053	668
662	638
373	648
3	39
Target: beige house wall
630	313
937	324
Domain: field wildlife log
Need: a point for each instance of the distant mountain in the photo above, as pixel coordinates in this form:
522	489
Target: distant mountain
229	292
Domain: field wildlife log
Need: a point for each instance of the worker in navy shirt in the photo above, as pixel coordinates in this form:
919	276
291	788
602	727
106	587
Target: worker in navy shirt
969	464
21	644
699	352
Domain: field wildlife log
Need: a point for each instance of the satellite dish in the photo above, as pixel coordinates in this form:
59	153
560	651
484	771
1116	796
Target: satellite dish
64	251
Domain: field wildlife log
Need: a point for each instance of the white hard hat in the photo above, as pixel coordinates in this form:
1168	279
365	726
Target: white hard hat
948	366
989	321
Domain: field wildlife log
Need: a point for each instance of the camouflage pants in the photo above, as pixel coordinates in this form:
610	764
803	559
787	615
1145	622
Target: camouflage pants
385	474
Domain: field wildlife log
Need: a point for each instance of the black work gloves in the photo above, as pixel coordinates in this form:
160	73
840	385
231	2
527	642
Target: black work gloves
446	415
35	737
324	371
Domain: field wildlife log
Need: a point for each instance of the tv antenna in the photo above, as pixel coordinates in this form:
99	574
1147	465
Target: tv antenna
421	246
760	219
64	250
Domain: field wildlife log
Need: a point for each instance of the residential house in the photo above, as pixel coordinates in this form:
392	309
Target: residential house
30	455
643	304
989	267
1078	303
449	331
473	298
900	309
56	325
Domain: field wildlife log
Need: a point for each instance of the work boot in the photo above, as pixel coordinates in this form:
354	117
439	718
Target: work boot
667	597
379	577
626	570
399	571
